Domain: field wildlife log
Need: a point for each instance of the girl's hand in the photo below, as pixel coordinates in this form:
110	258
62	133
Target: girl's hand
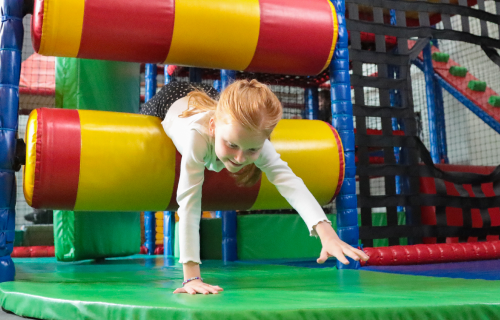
198	286
334	247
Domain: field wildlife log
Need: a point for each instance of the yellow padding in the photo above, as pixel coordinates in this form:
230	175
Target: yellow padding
335	35
119	147
226	31
29	168
311	153
159	215
62	28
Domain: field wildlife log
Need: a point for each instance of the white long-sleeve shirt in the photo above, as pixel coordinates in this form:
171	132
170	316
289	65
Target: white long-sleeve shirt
192	140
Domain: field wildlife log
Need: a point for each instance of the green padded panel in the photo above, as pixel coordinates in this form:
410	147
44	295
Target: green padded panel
272	236
83	235
19	238
211	239
97	85
141	288
268	236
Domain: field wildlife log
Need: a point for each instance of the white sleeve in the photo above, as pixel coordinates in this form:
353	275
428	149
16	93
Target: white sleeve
291	187
189	196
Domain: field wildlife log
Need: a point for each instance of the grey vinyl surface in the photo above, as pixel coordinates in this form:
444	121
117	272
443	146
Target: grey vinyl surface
8	316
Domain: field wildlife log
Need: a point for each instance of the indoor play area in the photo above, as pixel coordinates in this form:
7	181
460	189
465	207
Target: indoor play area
391	119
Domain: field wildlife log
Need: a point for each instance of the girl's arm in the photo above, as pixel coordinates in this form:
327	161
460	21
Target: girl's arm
293	189
189	199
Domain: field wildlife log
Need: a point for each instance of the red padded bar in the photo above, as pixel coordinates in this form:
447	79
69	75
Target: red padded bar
127	30
432	253
298	48
33	252
58	150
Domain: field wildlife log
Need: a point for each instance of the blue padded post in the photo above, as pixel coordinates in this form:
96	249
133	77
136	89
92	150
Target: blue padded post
226	78
149	231
11	44
311	97
395	97
195	75
342	121
168	78
229	218
150	81
431	105
440	120
440	123
229	244
168	233
149	217
168	216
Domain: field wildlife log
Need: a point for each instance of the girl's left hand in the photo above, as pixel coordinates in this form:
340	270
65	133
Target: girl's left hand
334	247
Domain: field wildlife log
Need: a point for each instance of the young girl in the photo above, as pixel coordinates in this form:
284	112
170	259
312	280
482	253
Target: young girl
233	133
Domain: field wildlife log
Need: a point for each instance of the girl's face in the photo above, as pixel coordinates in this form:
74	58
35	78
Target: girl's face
235	145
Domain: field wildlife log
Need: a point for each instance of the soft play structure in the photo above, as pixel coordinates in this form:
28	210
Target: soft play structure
98	164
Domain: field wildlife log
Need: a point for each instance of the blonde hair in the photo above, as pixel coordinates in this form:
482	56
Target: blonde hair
251	103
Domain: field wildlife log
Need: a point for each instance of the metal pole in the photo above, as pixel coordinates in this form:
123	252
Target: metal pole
149	216
431	99
229	218
311	97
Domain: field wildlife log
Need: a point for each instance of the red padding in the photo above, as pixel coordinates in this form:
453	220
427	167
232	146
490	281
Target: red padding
295	37
33	252
341	161
58	150
432	253
159	249
220	193
37	24
133	30
454	216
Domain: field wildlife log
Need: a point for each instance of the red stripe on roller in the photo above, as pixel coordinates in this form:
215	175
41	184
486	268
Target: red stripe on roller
58	149
219	191
341	161
295	37
37	24
134	30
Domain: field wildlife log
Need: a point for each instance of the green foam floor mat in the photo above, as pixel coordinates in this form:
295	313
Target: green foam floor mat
140	287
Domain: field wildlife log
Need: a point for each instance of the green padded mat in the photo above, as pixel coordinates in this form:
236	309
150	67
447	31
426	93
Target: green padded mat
140	287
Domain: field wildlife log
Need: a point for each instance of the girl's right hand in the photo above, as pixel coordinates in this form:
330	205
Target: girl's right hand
198	286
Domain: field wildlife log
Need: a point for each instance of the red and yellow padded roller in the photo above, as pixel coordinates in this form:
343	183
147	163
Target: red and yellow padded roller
277	36
110	161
